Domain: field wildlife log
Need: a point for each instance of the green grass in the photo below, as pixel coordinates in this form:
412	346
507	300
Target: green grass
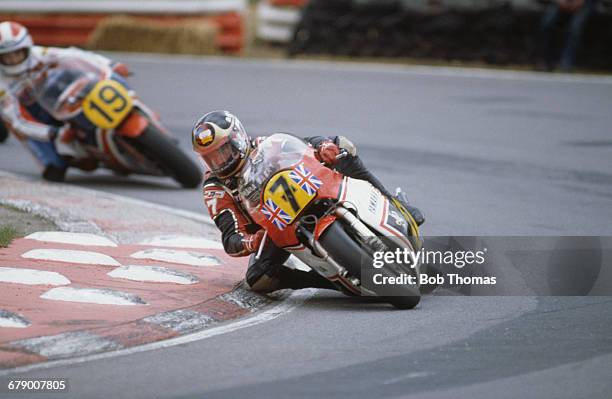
7	235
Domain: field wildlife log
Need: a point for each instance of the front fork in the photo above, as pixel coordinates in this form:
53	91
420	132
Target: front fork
341	275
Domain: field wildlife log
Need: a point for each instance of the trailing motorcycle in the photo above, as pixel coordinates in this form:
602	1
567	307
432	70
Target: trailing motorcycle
332	223
113	126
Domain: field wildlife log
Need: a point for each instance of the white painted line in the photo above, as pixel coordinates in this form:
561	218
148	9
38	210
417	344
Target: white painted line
182	241
175	256
31	276
155	274
72	238
93	295
295	299
409	376
71	256
66	344
12	320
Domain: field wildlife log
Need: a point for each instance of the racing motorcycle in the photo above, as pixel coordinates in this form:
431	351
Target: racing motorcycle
114	128
332	223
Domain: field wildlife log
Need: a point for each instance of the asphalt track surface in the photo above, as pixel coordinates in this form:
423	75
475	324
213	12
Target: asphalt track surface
481	153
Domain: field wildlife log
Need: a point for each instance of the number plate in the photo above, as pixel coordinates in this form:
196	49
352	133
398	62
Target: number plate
288	193
107	104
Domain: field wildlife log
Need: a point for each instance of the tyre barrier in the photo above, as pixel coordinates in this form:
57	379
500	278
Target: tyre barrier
501	34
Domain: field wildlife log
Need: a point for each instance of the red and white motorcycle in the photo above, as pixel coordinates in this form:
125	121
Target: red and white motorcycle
332	223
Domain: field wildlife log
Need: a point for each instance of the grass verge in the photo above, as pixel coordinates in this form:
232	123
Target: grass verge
7	235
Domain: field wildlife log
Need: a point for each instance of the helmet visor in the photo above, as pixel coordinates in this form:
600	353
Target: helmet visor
14	57
222	161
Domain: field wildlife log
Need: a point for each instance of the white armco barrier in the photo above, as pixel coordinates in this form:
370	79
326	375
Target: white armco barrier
276	24
123	6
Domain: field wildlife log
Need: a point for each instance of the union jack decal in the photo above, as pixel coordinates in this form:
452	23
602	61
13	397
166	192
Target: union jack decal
275	214
306	180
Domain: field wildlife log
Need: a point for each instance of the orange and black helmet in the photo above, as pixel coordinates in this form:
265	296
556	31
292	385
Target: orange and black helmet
222	142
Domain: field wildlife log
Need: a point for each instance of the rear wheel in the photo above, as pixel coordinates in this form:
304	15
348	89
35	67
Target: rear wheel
351	255
170	158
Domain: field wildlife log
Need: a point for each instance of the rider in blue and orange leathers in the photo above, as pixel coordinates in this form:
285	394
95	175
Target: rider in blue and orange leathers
20	60
224	146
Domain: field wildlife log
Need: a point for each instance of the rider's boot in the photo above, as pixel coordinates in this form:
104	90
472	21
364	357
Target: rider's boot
415	212
53	163
352	166
54	173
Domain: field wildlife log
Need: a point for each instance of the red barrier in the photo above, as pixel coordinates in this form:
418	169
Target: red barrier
75	29
290	3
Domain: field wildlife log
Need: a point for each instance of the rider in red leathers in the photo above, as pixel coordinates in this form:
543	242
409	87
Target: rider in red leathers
224	146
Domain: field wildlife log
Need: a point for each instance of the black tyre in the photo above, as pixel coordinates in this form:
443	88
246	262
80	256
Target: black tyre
4	133
170	158
350	255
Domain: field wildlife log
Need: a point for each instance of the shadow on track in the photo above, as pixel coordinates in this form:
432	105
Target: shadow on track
327	300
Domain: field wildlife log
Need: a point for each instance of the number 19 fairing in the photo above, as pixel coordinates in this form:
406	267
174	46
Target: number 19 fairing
114	126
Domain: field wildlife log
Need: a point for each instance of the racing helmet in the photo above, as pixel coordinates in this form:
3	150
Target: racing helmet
14	38
222	142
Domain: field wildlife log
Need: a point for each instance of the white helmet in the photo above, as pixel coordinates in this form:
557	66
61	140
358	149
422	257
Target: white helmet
14	37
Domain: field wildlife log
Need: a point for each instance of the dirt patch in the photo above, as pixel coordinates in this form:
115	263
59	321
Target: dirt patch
23	223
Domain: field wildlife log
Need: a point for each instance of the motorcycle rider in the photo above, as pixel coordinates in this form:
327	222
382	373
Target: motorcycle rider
20	61
223	144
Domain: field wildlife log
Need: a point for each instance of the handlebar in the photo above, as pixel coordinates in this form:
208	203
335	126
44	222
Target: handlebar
343	153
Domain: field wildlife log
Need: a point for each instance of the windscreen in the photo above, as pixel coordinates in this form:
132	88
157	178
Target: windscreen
61	87
277	152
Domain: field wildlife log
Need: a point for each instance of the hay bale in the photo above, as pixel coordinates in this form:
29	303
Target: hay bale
123	33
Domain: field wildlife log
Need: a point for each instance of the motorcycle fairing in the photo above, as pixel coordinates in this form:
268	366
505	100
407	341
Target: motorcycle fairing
281	227
374	209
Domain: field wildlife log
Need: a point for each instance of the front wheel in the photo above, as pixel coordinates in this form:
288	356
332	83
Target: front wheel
351	255
170	158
